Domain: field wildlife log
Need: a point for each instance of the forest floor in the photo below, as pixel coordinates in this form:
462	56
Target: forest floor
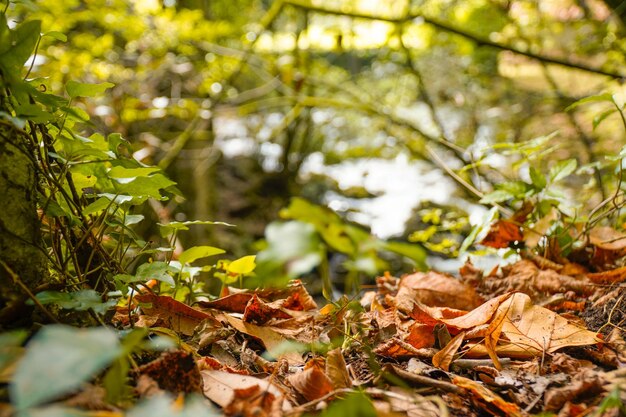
534	337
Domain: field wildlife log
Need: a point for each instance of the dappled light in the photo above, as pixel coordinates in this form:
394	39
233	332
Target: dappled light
302	207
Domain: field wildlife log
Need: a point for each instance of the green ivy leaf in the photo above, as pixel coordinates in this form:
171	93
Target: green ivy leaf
591	99
80	300
538	180
76	89
22	44
59	36
126	173
58	360
243	265
562	169
496	196
155	270
353	405
414	252
198	252
167	229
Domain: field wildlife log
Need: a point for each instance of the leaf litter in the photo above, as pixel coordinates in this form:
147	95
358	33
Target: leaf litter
512	341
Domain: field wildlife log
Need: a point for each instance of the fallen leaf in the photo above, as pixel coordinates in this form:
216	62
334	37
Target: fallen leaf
235	303
259	312
440	290
220	386
607	238
586	381
608	277
174	371
536	329
478	316
487	397
312	383
502	234
337	370
272	339
176	315
444	357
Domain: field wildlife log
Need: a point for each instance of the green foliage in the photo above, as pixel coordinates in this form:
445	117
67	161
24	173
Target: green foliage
69	358
353	405
79	300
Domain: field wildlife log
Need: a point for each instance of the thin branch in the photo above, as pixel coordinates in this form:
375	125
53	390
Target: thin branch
304	4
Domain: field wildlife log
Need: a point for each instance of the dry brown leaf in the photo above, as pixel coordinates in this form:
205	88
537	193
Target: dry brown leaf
272	339
526	277
440	290
312	383
220	387
502	234
607	238
174	314
444	357
586	381
608	277
478	316
259	312
534	329
487	397
337	370
235	303
253	402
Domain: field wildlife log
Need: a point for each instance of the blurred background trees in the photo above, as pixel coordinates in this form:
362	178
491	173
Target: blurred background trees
398	115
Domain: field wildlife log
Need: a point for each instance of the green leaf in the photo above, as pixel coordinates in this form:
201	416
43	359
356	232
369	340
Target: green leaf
600	117
76	89
490	216
59	36
121	172
97	206
58	360
562	169
23	42
243	265
538	180
496	196
198	252
5	34
33	113
414	252
591	99
145	187
170	227
80	300
294	248
163	406
10	349
354	404
155	270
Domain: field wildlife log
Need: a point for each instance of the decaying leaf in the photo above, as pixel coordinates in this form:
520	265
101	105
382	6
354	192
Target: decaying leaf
444	357
312	383
174	314
440	290
223	388
502	234
337	370
488	398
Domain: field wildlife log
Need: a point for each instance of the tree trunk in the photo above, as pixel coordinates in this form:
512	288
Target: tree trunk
20	232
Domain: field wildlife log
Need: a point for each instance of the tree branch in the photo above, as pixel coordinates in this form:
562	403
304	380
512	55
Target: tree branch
303	4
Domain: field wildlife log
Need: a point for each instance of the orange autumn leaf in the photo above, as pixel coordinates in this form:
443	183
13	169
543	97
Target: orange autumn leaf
176	315
443	358
485	395
501	234
312	383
